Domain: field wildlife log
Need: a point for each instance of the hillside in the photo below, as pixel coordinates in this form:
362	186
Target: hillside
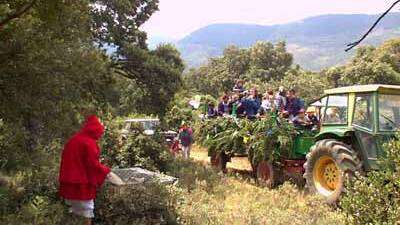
316	42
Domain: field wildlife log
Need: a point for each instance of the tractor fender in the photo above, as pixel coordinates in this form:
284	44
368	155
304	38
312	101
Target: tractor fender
338	135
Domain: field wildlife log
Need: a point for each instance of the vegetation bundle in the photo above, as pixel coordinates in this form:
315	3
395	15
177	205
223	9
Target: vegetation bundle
264	139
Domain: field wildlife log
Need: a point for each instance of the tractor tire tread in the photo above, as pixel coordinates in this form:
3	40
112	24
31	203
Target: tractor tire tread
344	156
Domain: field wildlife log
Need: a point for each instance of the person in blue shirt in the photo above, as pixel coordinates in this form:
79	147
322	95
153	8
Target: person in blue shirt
252	104
255	96
211	112
223	106
293	105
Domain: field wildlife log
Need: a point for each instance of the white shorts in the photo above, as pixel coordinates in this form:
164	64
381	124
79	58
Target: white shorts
81	207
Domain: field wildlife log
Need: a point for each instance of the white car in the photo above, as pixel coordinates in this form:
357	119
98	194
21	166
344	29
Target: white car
149	125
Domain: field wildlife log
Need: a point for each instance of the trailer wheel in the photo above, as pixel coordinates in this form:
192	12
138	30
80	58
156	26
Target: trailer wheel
329	164
267	174
219	161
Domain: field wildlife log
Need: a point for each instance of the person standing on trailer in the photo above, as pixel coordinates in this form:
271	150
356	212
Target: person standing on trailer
223	106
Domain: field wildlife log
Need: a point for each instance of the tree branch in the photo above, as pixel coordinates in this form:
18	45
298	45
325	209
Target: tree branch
17	13
123	73
354	44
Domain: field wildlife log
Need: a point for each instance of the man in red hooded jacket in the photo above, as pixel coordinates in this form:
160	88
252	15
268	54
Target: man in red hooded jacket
81	172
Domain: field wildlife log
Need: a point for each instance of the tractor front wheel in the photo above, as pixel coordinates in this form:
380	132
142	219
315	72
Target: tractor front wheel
328	164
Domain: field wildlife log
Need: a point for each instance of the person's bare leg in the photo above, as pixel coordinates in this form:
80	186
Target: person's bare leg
188	151
184	151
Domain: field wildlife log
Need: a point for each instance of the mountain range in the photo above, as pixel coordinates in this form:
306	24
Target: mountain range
316	42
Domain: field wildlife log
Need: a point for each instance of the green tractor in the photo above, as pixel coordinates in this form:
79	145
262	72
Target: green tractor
355	123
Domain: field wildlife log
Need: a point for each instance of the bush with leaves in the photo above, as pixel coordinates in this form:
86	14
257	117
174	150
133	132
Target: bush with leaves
11	139
137	204
135	148
270	139
265	139
375	198
230	139
221	135
190	173
30	197
180	109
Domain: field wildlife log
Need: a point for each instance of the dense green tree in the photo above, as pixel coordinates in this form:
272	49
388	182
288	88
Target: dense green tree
53	71
333	75
52	67
213	78
117	23
151	78
308	85
373	65
155	76
49	70
11	10
268	61
262	62
389	52
237	60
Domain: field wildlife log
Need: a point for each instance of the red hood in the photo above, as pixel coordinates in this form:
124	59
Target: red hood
93	127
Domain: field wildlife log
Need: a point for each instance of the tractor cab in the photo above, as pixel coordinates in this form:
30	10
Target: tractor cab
365	115
356	121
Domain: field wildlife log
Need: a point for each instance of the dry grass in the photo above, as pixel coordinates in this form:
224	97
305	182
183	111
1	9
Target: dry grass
237	200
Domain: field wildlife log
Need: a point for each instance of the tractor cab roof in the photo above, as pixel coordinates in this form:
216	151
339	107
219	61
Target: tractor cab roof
387	89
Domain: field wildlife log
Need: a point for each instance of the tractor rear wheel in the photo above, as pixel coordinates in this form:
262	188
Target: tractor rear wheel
328	165
267	174
219	161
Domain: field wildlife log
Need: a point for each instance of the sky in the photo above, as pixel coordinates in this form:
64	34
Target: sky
178	18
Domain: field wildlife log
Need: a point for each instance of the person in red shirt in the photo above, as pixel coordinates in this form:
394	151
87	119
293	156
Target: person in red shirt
81	172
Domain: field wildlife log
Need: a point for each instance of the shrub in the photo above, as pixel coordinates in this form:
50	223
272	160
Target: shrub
180	109
259	138
13	156
137	204
190	174
30	198
176	115
30	195
136	149
375	198
270	139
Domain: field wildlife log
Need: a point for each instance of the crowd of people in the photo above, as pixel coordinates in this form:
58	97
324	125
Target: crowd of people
251	104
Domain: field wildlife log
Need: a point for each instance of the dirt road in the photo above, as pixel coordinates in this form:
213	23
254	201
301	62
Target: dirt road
238	163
